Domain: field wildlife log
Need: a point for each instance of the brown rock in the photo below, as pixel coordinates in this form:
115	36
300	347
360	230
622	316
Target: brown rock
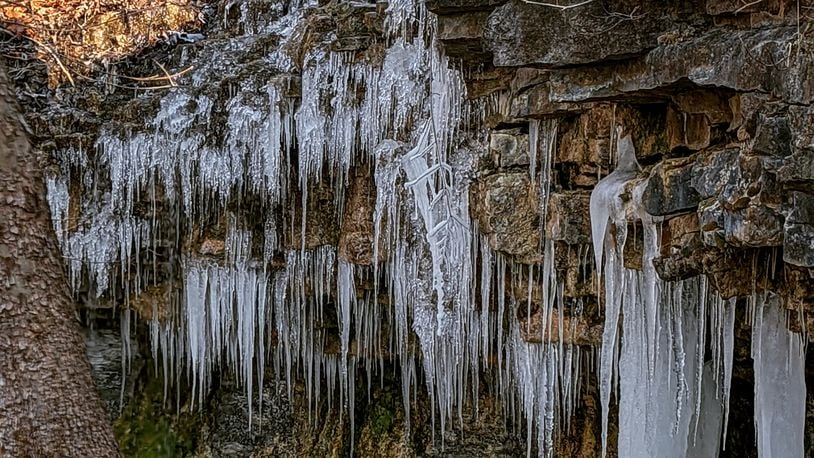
484	82
357	231
321	222
462	26
536	100
688	130
576	330
212	247
569	218
152	302
682	251
509	148
712	104
588	140
461	36
507	211
669	190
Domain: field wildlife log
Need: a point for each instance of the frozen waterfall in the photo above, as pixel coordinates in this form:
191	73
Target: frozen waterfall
234	177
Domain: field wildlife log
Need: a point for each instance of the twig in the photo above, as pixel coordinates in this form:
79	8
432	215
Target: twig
129	88
746	6
169	77
559	7
49	50
157	77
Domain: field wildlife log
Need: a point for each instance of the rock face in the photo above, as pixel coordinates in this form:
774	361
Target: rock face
514	37
508	212
731	143
366	252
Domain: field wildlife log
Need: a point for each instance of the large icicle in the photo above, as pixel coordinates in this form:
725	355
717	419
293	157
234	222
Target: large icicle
605	208
728	353
658	384
780	386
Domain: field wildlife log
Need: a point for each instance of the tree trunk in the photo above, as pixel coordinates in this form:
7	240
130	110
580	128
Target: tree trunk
48	403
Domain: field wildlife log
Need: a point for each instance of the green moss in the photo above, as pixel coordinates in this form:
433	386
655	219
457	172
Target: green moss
381	416
146	429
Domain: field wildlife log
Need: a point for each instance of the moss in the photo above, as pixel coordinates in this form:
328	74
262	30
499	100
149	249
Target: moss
381	416
146	429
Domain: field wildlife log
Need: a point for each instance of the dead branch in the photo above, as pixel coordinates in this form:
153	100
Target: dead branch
49	50
166	73
559	7
158	77
747	6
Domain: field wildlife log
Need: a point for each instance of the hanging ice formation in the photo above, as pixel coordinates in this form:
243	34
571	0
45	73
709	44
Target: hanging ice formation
240	309
672	403
780	387
234	307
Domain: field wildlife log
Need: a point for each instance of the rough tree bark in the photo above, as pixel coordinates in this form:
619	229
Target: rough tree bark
48	403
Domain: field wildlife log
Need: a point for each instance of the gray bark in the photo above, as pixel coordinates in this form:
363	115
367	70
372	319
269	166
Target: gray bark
48	403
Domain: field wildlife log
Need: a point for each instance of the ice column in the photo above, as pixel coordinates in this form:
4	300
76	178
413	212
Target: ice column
780	387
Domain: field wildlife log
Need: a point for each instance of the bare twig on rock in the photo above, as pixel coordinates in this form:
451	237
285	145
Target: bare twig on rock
559	7
747	6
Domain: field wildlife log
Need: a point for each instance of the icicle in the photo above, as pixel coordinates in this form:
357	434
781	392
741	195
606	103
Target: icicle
705	441
729	351
660	323
534	142
347	300
58	201
780	388
605	206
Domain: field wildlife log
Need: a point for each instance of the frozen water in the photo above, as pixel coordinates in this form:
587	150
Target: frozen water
661	389
403	115
780	387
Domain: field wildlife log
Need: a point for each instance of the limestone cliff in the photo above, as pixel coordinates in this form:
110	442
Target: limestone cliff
368	228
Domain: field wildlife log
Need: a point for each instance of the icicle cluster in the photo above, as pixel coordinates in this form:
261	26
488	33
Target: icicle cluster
672	402
780	386
230	308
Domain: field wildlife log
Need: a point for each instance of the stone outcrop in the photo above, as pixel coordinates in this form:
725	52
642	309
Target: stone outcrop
716	97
